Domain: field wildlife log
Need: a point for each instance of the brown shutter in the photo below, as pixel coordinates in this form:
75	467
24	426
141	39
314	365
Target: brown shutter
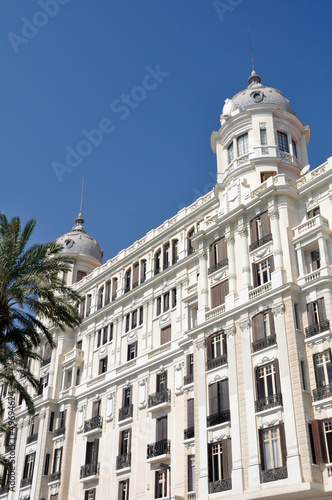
271	260
319	441
190	412
271	320
215	296
208	348
261	448
277	375
224	393
213	398
165	334
88	453
265	222
95	450
321	309
212	255
161	428
254	275
253	232
188	364
310	313
257	327
135	273
96	408
227	458
222	249
283	443
210	462
260	394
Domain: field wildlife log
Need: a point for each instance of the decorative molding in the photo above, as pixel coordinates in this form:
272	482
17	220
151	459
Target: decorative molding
200	344
230	331
273	213
230	240
243	232
245	324
246	269
278	309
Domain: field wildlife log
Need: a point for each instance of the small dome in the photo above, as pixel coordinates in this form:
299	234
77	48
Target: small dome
256	93
77	241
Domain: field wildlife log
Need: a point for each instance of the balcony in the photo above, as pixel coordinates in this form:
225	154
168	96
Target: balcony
95	423
309	226
191	496
218	418
222	485
268	402
215	362
189	433
60	431
32	439
160	398
26	481
260	242
188	379
273	474
125	412
123	461
217	266
162	447
260	344
322	392
321	327
54	477
89	470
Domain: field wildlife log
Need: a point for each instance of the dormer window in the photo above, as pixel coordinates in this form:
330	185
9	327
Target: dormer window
282	142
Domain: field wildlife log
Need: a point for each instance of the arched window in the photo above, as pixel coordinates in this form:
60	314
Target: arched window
100	298
189	244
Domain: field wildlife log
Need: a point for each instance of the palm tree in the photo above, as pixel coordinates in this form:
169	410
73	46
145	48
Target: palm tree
33	299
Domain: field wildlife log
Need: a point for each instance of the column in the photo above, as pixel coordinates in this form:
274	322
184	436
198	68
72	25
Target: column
278	276
304	154
203	286
322	251
244	292
200	421
229	302
300	260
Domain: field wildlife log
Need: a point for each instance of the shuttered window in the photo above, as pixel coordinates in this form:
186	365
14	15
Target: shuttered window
272	447
91	455
263	325
316	312
262	271
218	294
161	428
268	380
218	397
218	253
190	412
260	227
220	460
165	335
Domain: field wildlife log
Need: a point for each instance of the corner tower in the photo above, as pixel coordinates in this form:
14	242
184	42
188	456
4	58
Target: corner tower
260	136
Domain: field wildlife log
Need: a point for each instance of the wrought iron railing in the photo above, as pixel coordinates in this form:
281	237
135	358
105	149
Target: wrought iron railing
59	431
312	330
218	418
89	470
191	496
26	481
260	242
217	265
215	362
273	474
32	439
94	423
162	447
322	392
260	344
125	412
123	461
268	402
54	477
189	433
188	379
222	485
157	398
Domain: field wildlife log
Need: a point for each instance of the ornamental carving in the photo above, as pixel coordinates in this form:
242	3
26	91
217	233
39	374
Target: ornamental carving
273	213
245	324
200	344
230	331
278	309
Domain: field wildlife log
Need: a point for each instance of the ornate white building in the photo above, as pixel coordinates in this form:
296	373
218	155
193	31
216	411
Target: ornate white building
202	367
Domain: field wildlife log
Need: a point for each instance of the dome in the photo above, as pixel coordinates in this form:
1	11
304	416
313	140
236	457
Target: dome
256	93
77	241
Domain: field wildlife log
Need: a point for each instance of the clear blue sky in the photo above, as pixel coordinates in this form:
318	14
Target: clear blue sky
73	70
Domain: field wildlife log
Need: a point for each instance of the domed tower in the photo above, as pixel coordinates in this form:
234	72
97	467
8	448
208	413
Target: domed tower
260	136
84	248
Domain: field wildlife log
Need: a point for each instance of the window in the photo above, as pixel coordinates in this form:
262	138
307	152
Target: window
80	275
304	374
158	306
166	256
297	315
88	304
294	148
262	271
91	456
316	312
103	365
110	332
190	368
263	332
190	234
272	447
190	431
260	231
312	213
127	392
47	353
268	386
219	460
175	250
161	483
161	428
174	297
166	301
82	307
230	152
218	402
157	262
124	490
216	346
266	175
105	335
127	322
191	473
218	254
323	368
62	419
96	405
47	464
90	494
134	319
165	335
114	288
57	460
242	145
282	142
135	274
127	280
140	321
315	260
107	292
100	298
263	136
51	423
29	465
34	426
132	351
161	381
125	442
43	382
218	294
143	270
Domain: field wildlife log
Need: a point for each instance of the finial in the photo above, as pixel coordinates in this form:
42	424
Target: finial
79	220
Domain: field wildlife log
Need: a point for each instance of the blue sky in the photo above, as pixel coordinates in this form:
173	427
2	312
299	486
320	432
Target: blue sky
152	76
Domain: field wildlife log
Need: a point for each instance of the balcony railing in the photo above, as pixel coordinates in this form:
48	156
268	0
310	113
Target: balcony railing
217	266
273	474
125	412
32	439
4	489
188	379
260	344
215	362
54	477
191	496
322	392
222	485
268	402
162	447
60	431
218	418
123	461
26	481
312	330
260	242
159	397
89	470
93	423
189	433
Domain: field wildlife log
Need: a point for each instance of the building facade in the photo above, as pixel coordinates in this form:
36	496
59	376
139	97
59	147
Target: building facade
202	368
